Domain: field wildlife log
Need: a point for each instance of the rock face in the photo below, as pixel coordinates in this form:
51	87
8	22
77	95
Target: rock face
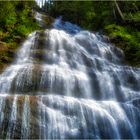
52	116
68	83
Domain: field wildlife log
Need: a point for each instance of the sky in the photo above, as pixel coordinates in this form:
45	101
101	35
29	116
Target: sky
40	2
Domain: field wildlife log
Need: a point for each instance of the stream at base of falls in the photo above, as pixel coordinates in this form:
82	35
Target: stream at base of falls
69	83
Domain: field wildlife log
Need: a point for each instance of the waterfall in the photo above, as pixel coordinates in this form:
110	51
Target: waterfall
66	82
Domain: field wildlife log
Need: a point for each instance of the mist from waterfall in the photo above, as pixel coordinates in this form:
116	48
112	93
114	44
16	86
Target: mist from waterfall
67	82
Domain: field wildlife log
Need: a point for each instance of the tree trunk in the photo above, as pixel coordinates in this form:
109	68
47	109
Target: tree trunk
119	11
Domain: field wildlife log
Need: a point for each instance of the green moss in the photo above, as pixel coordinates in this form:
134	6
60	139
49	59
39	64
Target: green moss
16	22
127	39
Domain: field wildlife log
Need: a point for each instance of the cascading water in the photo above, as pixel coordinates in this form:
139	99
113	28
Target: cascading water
69	83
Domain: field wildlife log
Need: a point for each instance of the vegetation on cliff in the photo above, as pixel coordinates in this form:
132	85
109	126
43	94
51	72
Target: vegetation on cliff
16	22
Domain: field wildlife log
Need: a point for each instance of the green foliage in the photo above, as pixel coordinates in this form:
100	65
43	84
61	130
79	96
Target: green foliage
7	16
16	18
89	14
16	22
119	31
128	39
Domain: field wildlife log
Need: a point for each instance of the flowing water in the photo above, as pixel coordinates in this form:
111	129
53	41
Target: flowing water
66	82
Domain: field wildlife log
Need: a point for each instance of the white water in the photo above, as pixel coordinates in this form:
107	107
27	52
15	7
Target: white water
69	83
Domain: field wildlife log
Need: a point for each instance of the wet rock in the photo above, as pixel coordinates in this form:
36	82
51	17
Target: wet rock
18	39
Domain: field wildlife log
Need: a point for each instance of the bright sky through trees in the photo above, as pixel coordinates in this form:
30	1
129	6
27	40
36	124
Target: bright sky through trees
41	2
